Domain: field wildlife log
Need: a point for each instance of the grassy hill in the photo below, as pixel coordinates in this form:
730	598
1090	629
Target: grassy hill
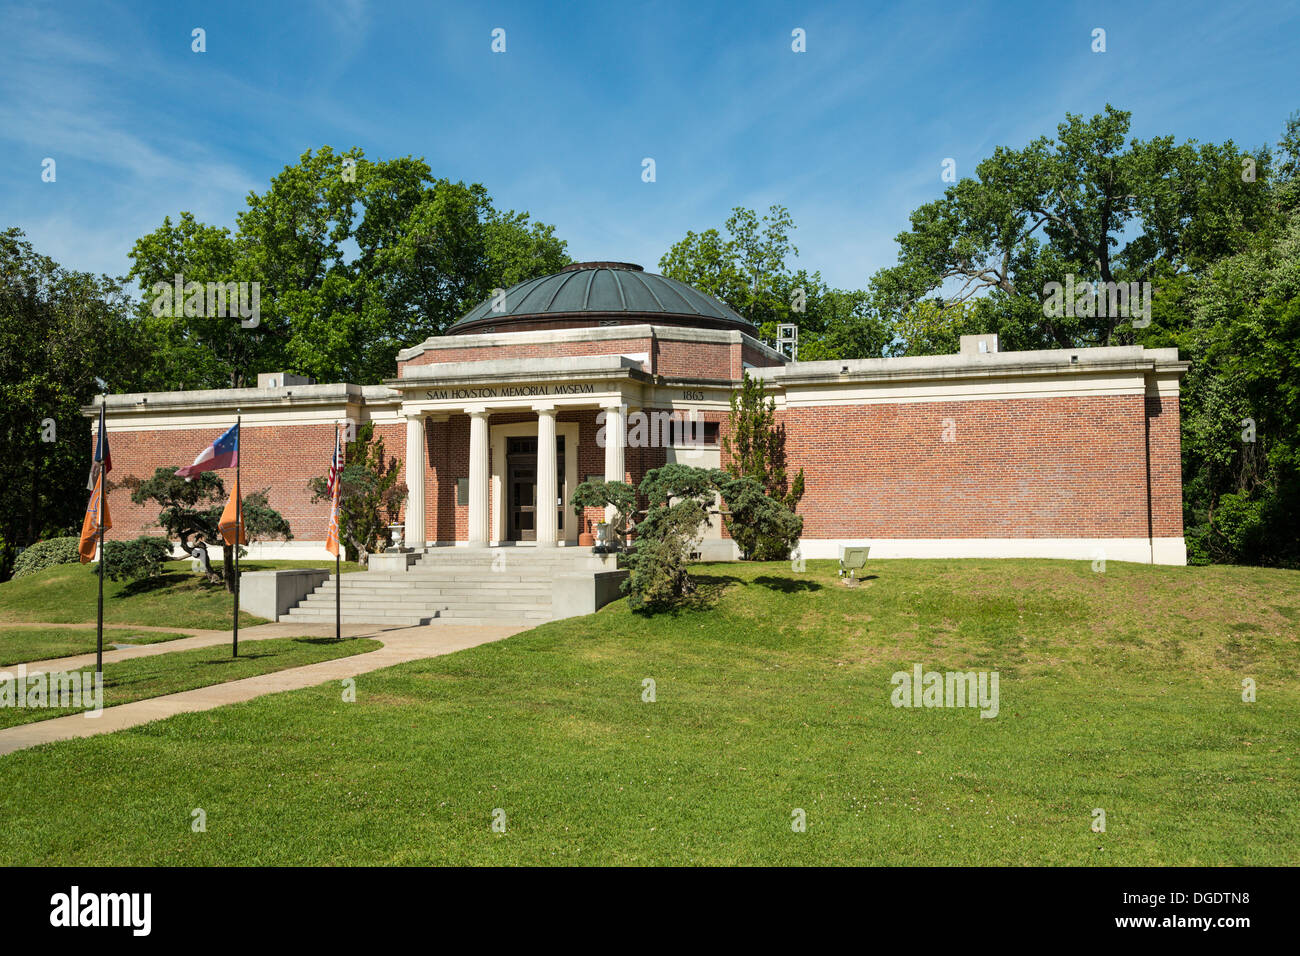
68	593
1119	691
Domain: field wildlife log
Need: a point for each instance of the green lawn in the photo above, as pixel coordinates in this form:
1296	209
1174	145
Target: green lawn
18	644
68	593
1118	690
125	681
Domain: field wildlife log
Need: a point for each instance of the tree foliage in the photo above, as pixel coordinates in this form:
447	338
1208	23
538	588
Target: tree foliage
1241	400
190	512
355	258
1087	202
677	498
748	269
142	557
764	528
755	447
47	554
371	495
59	329
598	493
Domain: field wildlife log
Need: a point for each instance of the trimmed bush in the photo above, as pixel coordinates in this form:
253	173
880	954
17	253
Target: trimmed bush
46	554
762	526
131	560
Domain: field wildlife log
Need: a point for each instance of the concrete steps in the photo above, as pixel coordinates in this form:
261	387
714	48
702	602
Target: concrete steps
457	585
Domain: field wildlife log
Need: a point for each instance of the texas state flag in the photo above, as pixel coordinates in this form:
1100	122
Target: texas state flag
222	453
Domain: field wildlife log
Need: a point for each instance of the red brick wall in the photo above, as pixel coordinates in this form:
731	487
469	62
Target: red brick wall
277	459
1165	445
522	350
1060	467
694	359
676	359
447	444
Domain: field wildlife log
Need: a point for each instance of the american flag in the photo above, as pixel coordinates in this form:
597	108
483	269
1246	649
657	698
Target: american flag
336	466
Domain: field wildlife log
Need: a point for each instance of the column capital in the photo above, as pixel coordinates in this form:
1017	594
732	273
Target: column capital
545	408
477	411
412	416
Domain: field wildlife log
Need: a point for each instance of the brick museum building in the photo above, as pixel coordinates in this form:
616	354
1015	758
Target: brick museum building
1062	453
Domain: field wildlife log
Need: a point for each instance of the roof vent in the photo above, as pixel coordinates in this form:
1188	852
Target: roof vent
280	379
979	344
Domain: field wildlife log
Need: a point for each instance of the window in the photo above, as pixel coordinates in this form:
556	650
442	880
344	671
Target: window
687	434
462	492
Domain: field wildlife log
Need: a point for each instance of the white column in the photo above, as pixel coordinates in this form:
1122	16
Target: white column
415	534
615	436
478	478
546	478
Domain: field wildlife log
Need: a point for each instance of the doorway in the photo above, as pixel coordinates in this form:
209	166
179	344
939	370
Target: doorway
521	488
502	494
521	485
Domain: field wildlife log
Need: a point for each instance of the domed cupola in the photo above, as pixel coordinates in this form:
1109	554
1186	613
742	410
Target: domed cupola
588	294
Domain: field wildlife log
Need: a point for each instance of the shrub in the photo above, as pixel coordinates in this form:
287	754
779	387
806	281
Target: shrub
677	496
763	527
131	560
598	493
658	577
46	554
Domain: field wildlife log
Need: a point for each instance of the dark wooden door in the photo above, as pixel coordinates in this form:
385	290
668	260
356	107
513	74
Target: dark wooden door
521	489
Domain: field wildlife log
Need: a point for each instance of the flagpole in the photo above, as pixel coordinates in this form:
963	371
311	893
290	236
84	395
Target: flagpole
338	549
99	616
239	522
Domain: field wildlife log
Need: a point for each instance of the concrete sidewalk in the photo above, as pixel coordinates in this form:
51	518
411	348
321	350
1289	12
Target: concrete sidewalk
400	645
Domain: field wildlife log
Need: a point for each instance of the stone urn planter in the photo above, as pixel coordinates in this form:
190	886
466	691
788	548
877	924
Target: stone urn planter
395	532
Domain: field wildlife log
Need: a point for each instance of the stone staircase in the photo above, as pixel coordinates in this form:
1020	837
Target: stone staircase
510	585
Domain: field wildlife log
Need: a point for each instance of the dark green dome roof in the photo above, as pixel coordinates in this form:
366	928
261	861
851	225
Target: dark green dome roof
607	293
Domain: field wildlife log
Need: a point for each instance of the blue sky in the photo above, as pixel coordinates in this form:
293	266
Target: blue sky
849	135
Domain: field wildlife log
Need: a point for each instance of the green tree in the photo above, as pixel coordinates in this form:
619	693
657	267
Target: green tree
599	493
1212	227
1086	203
749	270
763	528
190	512
755	447
59	330
677	498
371	495
355	259
1241	400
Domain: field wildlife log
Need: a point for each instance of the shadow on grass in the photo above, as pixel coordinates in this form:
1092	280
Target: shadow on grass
146	585
786	585
707	593
243	656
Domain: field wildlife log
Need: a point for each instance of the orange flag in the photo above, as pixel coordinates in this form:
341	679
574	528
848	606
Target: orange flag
90	524
332	536
229	515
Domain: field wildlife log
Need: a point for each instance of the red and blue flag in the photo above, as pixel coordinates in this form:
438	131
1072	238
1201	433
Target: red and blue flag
222	453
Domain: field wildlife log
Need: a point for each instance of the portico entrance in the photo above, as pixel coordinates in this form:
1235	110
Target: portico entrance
522	503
